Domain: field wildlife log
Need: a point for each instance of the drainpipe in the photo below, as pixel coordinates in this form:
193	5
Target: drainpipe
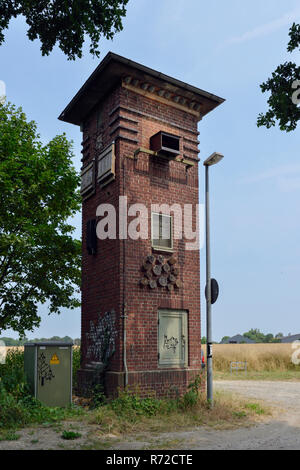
124	343
124	297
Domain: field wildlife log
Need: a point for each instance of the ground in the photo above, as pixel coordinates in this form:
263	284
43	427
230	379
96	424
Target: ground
280	430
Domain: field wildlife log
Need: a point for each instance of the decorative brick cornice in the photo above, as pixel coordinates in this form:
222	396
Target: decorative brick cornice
162	95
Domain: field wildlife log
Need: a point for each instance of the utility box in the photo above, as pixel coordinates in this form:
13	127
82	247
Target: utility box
48	370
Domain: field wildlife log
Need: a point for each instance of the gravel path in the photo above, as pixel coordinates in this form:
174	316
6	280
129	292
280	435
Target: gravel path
281	432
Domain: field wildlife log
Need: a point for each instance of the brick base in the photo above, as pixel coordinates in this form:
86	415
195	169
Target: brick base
162	383
87	379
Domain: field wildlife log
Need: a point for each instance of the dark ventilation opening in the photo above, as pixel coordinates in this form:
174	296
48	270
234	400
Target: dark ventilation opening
91	237
165	144
170	142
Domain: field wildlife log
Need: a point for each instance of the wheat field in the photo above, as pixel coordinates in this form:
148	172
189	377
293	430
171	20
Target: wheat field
259	357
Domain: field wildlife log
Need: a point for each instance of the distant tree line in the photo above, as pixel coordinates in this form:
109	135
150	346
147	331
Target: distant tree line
258	337
21	342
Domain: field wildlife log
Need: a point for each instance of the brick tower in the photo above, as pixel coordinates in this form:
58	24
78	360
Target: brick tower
140	295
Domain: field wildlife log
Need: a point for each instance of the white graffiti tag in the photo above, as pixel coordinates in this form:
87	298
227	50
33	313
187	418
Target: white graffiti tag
101	338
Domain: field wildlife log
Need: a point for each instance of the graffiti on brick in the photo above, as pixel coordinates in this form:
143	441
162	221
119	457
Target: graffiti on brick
170	343
101	337
44	370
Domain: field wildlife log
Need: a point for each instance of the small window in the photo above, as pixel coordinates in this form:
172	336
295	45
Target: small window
162	231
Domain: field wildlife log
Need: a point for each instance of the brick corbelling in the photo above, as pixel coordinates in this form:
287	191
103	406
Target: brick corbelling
143	104
136	112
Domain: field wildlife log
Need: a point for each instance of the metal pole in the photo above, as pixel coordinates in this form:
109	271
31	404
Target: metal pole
209	383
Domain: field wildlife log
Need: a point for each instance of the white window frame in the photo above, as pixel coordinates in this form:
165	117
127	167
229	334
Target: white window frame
158	247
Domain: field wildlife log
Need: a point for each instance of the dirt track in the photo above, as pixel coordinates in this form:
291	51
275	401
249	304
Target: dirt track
281	431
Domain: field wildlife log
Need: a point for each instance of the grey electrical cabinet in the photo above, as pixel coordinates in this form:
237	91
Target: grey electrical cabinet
172	338
48	370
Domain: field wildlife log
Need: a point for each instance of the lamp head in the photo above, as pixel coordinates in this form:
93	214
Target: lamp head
213	159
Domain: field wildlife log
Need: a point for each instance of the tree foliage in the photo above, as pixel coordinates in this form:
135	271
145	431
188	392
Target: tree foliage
66	22
39	259
281	106
257	336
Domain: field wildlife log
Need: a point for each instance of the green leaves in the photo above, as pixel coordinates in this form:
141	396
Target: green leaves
281	106
39	259
66	23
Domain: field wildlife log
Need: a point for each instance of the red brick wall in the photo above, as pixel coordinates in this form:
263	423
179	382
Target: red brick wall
131	119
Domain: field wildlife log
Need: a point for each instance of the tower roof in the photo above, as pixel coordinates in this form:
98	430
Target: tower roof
114	69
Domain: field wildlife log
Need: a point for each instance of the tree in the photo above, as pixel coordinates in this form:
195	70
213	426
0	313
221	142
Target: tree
66	22
255	334
225	339
269	338
39	260
282	86
279	335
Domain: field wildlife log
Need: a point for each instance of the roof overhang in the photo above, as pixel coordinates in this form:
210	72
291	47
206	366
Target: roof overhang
114	69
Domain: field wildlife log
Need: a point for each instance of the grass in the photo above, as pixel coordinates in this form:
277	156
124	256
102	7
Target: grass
256	408
130	415
266	360
288	375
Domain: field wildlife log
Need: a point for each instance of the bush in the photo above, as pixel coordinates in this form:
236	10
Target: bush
130	404
75	365
12	377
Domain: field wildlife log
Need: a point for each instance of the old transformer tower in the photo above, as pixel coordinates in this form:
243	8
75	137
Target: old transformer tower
140	255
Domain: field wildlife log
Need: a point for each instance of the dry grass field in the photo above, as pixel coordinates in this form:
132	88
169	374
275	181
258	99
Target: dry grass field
260	357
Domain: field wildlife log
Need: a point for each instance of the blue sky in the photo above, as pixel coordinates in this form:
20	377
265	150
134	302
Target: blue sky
227	48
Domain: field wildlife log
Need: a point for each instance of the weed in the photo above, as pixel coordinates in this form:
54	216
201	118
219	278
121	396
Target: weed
70	435
239	414
75	365
255	407
9	436
98	397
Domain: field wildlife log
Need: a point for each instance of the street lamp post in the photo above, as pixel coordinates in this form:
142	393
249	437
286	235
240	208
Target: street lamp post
212	160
